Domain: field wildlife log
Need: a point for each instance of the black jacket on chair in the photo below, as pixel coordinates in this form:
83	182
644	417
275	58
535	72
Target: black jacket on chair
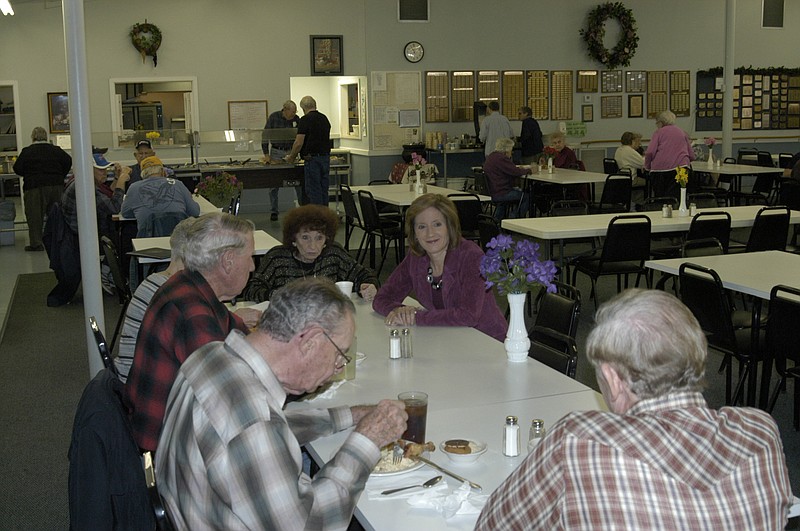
65	256
107	488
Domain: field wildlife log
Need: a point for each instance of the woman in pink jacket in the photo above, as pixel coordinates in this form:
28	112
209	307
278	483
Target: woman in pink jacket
442	272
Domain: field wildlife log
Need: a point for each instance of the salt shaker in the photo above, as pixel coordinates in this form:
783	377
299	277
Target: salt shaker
406	347
394	345
511	437
692	209
665	211
536	434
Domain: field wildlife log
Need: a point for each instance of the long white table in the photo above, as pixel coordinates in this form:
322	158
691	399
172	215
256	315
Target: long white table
749	273
734	170
471	388
564	228
263	243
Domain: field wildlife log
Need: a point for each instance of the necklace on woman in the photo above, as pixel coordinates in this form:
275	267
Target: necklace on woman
435	284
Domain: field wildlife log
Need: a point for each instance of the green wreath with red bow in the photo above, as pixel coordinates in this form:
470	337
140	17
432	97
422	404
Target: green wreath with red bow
622	53
146	38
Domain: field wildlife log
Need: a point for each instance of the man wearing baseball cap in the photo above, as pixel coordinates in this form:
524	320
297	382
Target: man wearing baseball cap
144	149
157	197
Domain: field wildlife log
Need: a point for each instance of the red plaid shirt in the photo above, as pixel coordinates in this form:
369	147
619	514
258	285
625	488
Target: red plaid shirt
668	463
184	315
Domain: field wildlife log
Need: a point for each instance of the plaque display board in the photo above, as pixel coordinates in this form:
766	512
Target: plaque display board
538	82
656	92
761	100
679	100
611	80
611	107
513	92
586	81
635	81
488	85
561	94
463	95
635	105
437	97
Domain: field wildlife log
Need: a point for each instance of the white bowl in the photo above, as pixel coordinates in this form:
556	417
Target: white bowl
478	448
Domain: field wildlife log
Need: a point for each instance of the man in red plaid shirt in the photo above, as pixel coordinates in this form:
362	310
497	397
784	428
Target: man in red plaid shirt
186	313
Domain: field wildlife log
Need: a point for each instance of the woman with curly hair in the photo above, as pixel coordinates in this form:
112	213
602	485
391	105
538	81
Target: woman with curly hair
309	250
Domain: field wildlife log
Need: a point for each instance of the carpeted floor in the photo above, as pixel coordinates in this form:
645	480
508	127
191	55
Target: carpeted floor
43	357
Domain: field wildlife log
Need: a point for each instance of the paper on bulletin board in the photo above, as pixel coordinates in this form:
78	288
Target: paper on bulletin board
247	114
64	141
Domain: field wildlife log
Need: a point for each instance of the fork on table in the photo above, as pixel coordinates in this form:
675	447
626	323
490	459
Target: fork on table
397	454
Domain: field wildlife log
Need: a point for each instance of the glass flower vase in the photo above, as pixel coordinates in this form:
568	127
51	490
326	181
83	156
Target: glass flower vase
517	343
683	211
710	160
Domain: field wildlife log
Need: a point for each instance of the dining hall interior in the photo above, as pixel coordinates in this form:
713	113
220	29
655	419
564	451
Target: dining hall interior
222	68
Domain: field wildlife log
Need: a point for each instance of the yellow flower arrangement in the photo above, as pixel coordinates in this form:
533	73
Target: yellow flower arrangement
153	135
681	177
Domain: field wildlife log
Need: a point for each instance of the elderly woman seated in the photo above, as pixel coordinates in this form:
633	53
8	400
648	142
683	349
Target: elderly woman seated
502	176
309	250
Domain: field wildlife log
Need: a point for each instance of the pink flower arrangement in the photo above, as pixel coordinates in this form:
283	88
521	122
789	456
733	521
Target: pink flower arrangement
418	160
710	141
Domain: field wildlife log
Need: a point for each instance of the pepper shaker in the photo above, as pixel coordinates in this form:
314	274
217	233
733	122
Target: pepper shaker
406	347
536	434
394	345
692	209
511	437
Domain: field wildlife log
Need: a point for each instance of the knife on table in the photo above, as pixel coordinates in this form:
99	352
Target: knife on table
451	474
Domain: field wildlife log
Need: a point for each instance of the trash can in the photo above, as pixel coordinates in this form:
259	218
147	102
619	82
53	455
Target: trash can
8	213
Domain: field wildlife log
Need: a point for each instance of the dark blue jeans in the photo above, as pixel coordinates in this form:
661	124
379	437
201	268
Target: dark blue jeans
317	176
516	195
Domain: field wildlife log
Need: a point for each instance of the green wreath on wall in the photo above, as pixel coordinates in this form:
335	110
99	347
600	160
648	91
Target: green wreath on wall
146	38
622	53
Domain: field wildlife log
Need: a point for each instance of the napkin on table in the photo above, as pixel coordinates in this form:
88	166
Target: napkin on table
462	501
377	484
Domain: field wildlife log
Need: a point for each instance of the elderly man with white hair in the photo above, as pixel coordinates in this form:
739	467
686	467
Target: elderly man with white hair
186	313
156	197
661	458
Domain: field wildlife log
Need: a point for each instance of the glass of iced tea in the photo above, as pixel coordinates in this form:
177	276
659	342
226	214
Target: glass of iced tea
417	409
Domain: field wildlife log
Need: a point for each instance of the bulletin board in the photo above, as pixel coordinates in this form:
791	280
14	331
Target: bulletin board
247	114
391	93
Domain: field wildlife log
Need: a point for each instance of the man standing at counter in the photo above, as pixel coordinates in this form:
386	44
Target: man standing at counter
313	142
286	118
494	127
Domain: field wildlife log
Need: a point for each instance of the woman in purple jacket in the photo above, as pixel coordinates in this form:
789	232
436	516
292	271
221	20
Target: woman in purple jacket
442	271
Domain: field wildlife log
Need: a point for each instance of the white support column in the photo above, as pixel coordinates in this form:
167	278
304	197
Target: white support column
80	132
727	79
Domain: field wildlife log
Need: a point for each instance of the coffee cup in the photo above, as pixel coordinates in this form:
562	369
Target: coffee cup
346	287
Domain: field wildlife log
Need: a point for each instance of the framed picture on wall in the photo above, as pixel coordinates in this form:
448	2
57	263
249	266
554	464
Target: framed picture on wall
635	106
326	55
58	111
587	113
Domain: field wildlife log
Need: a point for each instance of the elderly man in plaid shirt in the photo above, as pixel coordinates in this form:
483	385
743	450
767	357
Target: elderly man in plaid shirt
661	459
229	456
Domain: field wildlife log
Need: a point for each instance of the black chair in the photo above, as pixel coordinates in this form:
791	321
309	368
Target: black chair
487	229
705	200
625	250
352	218
236	202
610	166
769	232
702	292
572	207
662	184
120	282
469	208
102	347
616	196
559	311
747	156
785	161
790	198
499	209
704	225
782	344
376	226
563	357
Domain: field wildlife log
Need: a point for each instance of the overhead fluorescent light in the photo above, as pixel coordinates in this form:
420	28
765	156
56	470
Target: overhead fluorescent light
5	7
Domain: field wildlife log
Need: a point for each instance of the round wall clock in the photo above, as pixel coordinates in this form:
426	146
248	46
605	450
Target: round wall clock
413	52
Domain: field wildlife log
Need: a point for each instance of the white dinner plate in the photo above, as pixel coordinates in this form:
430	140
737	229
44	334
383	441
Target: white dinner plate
409	467
360	357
